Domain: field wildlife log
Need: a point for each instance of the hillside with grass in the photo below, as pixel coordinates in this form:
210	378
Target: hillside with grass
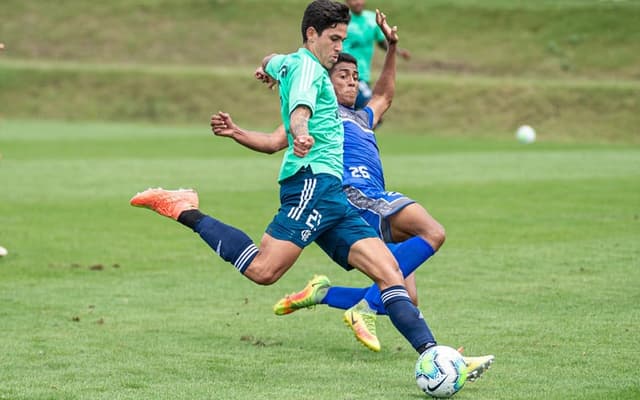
569	68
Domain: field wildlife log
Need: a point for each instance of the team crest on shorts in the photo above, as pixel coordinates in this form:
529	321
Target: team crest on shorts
305	235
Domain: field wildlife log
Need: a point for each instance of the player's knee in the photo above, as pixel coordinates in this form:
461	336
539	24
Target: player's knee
262	275
265	278
435	235
391	277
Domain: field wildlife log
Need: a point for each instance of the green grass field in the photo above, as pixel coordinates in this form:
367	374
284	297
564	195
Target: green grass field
100	300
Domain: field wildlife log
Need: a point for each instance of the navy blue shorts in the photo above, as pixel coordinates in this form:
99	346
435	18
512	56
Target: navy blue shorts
313	208
376	207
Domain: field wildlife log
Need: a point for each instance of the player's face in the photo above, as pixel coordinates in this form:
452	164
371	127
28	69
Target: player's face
327	47
344	77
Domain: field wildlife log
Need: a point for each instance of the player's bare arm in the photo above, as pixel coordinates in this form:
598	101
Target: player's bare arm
223	125
385	87
302	140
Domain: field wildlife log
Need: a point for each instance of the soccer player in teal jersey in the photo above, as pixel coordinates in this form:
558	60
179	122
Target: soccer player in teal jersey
313	206
363	34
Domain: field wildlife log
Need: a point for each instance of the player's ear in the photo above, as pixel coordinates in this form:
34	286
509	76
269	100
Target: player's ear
312	34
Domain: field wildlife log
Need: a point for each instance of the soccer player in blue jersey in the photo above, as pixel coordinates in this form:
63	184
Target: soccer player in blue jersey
313	206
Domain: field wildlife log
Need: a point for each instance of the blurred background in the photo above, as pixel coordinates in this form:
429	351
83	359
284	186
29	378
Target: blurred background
569	68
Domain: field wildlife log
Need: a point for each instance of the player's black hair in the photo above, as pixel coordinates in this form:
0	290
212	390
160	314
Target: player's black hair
346	57
323	14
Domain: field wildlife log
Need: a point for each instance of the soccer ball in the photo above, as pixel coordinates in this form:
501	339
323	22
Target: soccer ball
441	372
525	134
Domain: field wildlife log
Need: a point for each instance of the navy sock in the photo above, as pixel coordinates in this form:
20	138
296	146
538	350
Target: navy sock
410	254
190	218
407	319
343	297
231	244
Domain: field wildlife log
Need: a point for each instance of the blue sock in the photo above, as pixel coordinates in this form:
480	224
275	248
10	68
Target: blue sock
407	319
410	254
343	297
231	244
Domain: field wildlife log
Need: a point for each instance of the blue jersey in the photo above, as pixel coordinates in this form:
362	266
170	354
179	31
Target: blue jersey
362	165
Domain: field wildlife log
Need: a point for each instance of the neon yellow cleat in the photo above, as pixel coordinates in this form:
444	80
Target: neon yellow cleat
362	320
476	366
169	203
311	295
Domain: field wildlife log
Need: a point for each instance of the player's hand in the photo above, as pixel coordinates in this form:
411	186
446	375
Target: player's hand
222	124
302	145
391	34
265	78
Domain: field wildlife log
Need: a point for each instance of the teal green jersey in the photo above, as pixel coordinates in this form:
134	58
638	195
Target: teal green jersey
362	35
303	81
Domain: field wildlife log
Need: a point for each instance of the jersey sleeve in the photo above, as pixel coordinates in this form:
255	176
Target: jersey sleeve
273	66
368	113
303	87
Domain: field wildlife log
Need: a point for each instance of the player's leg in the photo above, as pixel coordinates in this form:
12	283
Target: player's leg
414	220
264	265
372	257
391	213
410	254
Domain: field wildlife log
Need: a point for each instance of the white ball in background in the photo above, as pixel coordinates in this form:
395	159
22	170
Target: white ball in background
3	251
526	134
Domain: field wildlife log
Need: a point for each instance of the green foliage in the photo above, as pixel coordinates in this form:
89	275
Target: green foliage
102	300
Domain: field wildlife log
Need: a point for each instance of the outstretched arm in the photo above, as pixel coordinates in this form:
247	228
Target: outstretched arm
385	87
223	125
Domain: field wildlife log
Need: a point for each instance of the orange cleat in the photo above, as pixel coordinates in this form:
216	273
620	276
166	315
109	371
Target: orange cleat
169	203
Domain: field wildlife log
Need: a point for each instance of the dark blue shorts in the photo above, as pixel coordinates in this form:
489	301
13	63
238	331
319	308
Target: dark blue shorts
377	206
313	208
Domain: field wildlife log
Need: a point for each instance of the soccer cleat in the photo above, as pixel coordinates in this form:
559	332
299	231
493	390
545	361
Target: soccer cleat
311	295
362	320
476	366
169	203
